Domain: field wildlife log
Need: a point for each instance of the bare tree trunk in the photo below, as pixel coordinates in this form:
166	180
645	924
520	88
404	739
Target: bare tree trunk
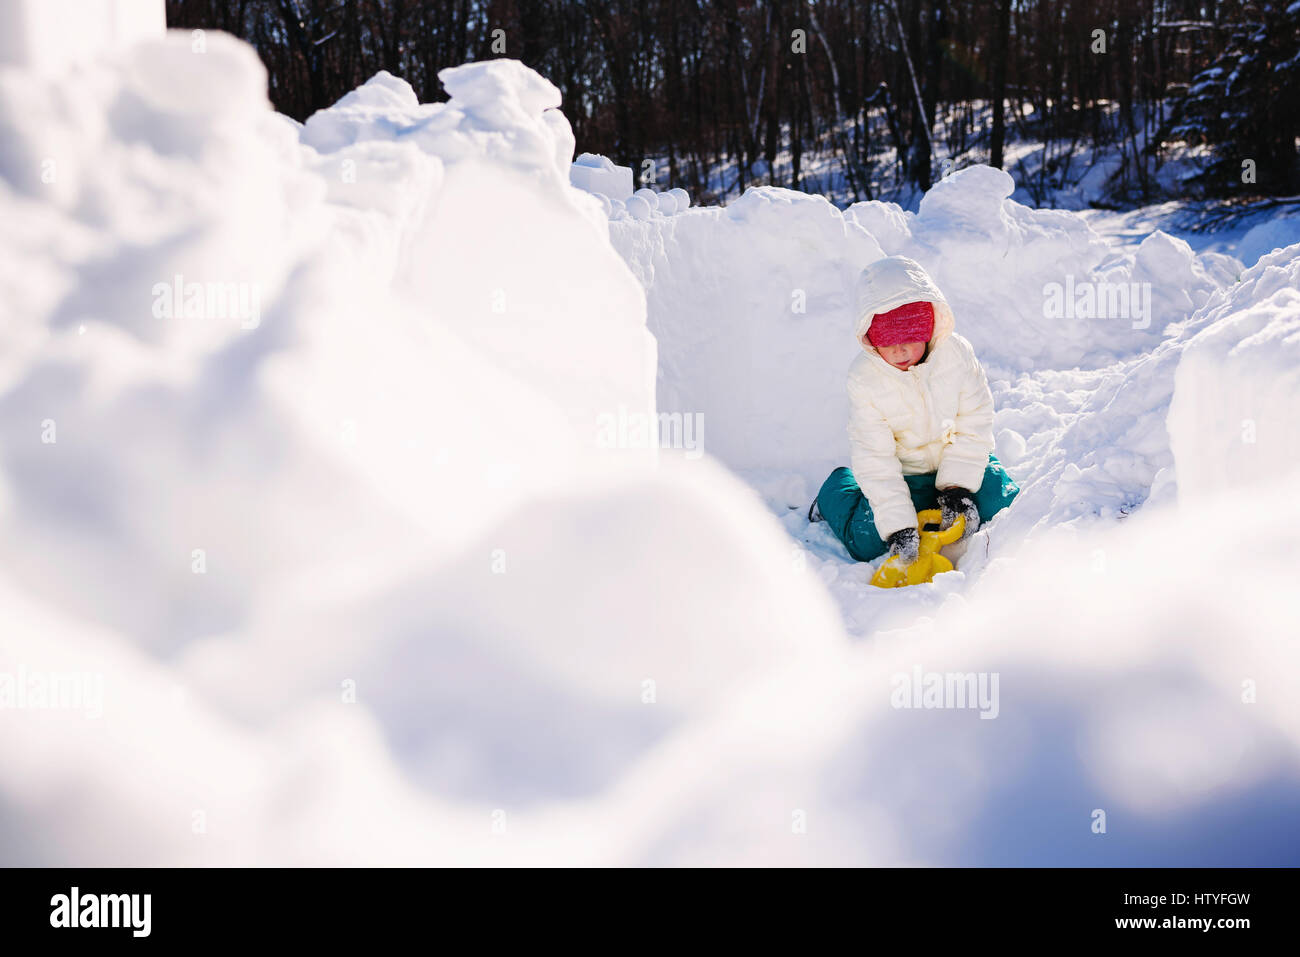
1001	39
837	121
923	176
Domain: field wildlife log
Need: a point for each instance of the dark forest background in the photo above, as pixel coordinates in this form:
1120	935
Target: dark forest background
732	85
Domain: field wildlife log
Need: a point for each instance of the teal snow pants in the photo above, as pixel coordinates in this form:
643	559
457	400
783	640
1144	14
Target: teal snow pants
848	514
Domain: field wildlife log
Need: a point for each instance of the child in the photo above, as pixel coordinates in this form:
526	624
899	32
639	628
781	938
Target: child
920	422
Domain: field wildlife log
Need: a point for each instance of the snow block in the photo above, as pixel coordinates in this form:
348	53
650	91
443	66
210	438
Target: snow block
598	174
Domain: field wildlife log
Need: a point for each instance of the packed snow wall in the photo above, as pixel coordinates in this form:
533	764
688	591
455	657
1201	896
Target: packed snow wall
752	303
1235	417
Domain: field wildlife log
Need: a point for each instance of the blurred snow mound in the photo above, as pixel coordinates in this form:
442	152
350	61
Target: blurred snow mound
1168	708
376	471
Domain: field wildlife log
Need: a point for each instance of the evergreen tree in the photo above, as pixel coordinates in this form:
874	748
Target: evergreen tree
1246	106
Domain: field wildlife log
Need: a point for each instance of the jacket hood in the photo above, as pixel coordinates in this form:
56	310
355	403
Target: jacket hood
892	282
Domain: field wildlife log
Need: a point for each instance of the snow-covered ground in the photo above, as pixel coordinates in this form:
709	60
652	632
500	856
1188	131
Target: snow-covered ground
332	506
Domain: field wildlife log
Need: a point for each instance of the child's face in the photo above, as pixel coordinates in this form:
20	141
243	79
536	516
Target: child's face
902	356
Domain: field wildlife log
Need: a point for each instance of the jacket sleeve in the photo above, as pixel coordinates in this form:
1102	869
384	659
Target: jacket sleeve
875	464
966	456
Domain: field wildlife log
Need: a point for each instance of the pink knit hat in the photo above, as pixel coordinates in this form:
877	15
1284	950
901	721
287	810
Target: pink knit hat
912	322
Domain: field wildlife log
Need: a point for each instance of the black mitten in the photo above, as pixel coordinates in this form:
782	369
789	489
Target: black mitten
958	501
905	545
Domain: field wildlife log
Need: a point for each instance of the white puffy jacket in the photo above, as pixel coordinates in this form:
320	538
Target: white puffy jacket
936	416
